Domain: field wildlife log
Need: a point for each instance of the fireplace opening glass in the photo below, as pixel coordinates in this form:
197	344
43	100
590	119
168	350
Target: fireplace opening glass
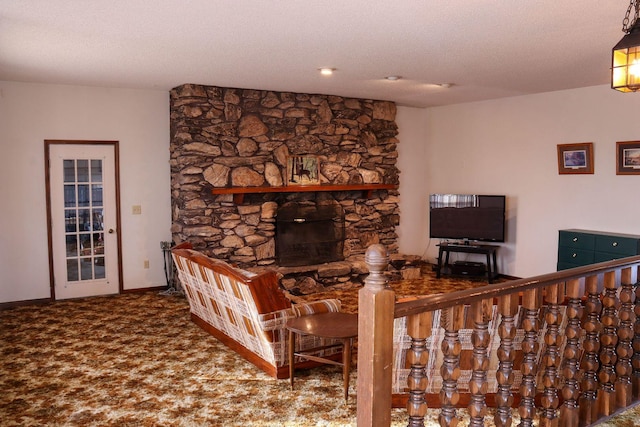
309	234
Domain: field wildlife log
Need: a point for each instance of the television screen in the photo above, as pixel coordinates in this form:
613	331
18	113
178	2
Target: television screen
467	217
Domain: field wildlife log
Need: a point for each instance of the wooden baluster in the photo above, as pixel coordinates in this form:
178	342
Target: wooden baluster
569	414
480	312
635	360
530	346
554	295
508	308
452	320
608	339
591	344
418	328
376	303
625	337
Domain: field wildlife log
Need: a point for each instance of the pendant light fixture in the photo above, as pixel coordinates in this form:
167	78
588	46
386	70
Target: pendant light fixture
625	60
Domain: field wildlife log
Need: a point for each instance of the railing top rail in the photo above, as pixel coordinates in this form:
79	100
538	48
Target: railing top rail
440	301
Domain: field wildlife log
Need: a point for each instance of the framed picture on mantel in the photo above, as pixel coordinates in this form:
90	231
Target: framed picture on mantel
575	158
628	158
303	170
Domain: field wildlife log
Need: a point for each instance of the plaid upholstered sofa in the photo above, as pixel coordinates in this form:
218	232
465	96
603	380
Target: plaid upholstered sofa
246	311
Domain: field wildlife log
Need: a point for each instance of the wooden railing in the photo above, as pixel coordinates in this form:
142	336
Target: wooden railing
587	371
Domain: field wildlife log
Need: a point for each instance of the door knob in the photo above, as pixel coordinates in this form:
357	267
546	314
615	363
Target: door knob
111	231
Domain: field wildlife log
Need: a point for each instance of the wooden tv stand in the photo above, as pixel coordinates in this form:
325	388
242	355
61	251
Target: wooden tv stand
488	250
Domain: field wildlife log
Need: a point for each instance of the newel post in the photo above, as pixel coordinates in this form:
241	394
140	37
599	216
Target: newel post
375	342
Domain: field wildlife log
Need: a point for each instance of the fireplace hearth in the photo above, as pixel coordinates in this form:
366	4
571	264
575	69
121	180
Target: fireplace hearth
308	234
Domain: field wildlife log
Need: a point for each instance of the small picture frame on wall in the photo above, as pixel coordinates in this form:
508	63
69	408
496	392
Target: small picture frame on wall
628	158
575	158
302	170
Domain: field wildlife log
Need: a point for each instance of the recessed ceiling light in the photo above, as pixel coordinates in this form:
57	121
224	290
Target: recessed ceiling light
326	71
438	85
393	78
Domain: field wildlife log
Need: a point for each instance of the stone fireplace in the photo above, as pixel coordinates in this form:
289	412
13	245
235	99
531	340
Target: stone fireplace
227	138
308	234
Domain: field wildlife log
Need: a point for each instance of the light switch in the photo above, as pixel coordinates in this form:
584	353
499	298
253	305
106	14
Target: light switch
136	209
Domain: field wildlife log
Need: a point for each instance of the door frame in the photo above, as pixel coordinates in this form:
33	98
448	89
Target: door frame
47	177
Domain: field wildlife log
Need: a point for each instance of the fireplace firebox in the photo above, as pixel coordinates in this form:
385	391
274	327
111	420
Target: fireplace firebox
308	234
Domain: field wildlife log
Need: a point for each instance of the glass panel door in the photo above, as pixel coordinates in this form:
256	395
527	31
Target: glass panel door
82	186
84	225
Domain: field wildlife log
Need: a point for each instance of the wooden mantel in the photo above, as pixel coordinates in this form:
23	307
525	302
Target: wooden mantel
239	192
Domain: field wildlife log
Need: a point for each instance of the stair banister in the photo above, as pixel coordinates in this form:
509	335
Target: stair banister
602	299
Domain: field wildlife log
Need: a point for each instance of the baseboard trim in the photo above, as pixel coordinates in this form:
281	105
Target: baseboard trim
507	277
15	304
149	289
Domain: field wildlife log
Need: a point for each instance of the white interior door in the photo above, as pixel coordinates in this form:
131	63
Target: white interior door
82	181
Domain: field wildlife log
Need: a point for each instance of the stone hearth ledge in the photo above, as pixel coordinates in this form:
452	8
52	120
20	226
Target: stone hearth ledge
309	279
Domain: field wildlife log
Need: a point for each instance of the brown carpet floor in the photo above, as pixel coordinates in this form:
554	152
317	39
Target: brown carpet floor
137	360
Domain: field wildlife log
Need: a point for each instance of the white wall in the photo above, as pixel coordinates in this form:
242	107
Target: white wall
31	113
509	146
506	146
413	232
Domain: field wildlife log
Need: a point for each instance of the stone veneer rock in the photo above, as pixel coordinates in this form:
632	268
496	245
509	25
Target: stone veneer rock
228	137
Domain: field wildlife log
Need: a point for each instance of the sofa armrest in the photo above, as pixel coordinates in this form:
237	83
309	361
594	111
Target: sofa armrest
277	319
315	307
183	245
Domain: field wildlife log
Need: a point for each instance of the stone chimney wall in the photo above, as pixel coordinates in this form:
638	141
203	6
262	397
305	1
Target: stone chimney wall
228	137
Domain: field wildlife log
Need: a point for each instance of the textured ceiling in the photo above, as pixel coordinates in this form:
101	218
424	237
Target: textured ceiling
485	49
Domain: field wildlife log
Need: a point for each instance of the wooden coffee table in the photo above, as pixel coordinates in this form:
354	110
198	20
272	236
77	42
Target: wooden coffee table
341	326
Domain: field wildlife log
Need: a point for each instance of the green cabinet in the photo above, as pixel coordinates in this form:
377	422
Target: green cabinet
583	247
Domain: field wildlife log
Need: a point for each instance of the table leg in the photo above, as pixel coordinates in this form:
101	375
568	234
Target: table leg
439	263
346	365
292	344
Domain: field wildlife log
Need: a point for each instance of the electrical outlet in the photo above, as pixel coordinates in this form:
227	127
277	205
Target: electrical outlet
136	210
146	263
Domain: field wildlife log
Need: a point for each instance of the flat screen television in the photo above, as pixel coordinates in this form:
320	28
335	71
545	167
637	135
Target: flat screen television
467	217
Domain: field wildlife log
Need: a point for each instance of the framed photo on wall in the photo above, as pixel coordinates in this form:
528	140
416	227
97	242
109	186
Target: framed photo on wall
575	158
302	170
628	158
